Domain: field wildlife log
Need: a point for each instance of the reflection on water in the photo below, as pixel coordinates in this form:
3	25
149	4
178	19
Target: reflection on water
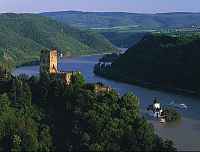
185	134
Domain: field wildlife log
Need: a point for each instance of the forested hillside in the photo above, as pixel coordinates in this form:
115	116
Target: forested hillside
43	114
118	19
24	35
124	39
159	60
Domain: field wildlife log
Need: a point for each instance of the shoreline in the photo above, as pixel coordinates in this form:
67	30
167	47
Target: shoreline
178	91
172	131
37	62
137	83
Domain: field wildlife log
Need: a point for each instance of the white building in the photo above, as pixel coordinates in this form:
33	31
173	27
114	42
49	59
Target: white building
155	109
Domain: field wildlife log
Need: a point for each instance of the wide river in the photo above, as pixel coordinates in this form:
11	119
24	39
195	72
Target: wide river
185	134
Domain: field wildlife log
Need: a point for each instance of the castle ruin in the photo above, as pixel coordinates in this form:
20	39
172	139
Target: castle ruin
49	64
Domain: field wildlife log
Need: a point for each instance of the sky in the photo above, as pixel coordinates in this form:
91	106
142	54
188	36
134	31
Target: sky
135	6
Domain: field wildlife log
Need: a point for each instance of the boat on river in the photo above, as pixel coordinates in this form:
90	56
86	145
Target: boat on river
162	120
184	134
179	106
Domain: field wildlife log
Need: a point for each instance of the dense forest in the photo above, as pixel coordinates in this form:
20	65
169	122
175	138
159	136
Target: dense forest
43	114
124	39
24	35
123	19
159	60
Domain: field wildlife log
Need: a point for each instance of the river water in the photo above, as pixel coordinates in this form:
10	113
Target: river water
185	134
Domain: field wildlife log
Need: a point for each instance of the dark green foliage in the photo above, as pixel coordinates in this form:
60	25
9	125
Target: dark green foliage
124	39
46	115
171	115
159	60
85	120
78	80
24	35
19	129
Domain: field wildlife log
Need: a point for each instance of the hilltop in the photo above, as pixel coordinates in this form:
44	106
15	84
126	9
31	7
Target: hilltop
126	29
161	61
122	19
24	35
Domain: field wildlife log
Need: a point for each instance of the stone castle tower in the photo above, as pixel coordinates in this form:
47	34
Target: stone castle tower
53	68
49	64
49	61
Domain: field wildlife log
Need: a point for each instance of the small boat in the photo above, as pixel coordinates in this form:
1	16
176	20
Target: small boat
162	120
183	106
180	106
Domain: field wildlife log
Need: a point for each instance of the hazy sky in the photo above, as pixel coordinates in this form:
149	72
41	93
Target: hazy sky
142	6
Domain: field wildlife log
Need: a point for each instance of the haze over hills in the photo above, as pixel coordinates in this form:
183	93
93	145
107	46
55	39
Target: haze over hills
115	19
24	35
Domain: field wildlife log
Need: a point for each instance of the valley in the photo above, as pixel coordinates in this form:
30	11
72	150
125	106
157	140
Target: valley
24	35
173	131
104	107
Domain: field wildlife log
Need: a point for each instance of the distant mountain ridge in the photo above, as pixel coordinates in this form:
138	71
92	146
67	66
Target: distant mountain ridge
113	19
24	35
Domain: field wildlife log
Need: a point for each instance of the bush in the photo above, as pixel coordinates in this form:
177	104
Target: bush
171	115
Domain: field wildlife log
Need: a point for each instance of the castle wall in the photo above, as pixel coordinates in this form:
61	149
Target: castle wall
49	64
99	88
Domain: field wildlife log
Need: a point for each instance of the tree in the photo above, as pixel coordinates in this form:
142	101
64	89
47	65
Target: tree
45	139
78	80
4	103
129	107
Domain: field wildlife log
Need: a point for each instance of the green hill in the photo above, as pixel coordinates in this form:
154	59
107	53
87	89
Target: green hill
163	61
122	19
126	29
24	35
124	39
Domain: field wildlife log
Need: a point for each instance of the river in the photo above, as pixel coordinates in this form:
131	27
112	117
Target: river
185	134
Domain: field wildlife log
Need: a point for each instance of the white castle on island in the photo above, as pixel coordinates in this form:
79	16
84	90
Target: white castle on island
155	110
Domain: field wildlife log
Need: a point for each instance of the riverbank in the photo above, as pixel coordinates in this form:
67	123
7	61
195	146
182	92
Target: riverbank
150	85
159	61
37	62
185	134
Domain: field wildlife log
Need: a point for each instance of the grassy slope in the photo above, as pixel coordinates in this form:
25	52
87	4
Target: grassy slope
24	35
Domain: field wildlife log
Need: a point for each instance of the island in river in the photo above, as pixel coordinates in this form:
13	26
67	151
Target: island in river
60	111
185	134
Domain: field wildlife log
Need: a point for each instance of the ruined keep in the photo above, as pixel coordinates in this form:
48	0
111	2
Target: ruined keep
53	67
49	64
